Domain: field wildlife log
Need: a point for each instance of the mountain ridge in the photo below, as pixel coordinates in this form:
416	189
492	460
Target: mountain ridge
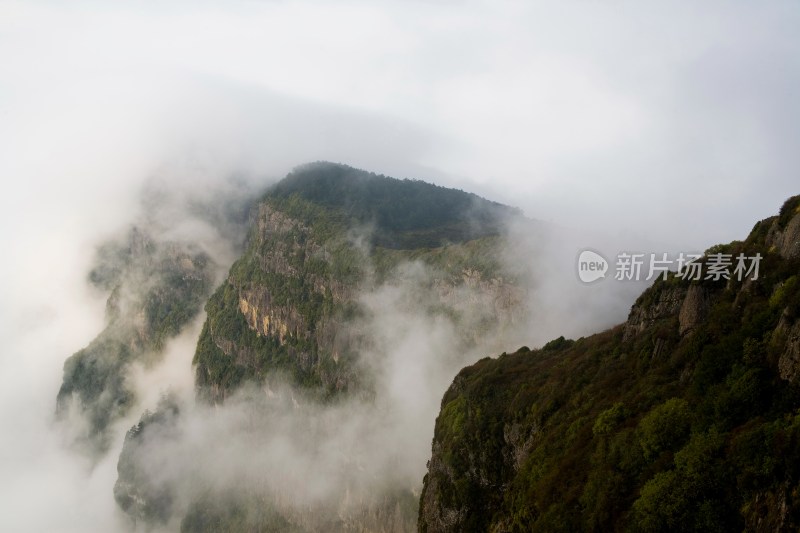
291	328
401	213
683	417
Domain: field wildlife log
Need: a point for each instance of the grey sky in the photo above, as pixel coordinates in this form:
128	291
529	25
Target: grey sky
673	120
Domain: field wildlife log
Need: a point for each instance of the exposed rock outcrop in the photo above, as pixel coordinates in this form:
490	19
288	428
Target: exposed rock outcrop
659	305
784	233
693	309
789	362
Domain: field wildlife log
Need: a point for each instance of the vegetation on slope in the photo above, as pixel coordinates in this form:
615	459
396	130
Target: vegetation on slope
320	236
403	214
156	289
639	428
291	306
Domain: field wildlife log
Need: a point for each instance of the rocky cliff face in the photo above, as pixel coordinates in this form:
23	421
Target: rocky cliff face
156	288
291	301
783	234
282	308
684	417
296	309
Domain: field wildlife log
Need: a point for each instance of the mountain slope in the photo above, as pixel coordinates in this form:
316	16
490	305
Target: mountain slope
685	417
315	248
292	338
155	290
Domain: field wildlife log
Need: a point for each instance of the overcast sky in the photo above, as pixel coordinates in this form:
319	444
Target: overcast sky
677	121
673	122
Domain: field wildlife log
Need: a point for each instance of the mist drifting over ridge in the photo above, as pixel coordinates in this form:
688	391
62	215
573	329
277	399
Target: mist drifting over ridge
355	458
537	110
359	444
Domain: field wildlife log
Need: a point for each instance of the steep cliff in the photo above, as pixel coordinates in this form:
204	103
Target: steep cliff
296	311
320	239
156	288
686	417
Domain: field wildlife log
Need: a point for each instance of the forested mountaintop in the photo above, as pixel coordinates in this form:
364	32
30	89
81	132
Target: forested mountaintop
402	213
332	252
288	299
